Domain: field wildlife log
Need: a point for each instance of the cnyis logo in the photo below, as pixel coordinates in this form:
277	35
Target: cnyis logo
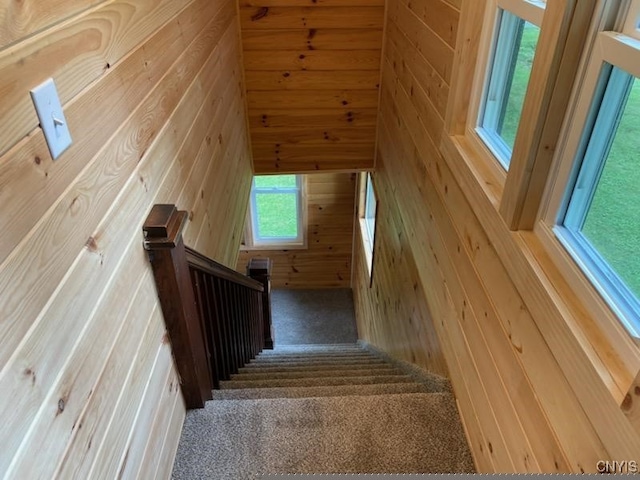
617	466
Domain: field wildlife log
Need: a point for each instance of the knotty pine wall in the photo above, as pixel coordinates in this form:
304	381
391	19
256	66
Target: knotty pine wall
312	70
451	289
153	94
326	261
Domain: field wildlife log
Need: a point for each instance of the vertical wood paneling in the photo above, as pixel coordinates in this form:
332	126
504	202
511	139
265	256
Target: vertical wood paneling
154	96
439	277
302	54
326	261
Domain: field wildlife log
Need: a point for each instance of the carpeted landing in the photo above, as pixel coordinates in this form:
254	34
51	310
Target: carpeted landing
323	409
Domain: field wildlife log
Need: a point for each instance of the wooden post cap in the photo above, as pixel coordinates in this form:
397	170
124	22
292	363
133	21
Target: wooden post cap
163	226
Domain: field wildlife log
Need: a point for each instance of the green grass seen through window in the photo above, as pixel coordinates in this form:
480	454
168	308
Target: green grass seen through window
613	222
521	74
277	213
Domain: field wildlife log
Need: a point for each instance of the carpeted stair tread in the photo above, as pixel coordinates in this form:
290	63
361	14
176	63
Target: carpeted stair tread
344	351
313	358
314	347
350	351
317	374
398	433
330	391
312	368
312	382
309	361
269	358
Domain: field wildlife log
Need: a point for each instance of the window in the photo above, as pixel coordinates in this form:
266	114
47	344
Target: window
569	191
514	45
276	212
599	208
367	214
370	208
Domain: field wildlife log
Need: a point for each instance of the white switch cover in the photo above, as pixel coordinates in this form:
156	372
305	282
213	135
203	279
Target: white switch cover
54	125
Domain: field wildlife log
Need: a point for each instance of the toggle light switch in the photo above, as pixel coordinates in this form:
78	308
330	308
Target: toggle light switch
54	125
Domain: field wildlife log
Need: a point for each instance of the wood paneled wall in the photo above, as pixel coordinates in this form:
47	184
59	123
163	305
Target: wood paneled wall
312	70
326	261
442	292
153	95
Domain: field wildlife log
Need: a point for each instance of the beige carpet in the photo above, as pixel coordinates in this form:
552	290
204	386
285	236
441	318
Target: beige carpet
368	423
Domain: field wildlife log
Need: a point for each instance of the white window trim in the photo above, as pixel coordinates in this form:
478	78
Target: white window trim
368	236
531	11
300	242
619	50
632	23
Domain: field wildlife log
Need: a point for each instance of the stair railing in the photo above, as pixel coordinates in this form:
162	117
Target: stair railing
216	317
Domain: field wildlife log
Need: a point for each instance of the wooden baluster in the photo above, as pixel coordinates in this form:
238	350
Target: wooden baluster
240	316
260	269
230	302
245	324
198	280
215	325
218	301
252	322
163	239
247	321
257	299
237	320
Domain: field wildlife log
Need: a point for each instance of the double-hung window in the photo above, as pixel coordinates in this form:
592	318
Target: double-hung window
516	29
276	212
599	207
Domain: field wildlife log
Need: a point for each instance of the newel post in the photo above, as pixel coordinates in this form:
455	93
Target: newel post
163	240
260	269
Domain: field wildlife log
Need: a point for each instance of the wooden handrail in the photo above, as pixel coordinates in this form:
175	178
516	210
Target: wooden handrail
217	318
212	267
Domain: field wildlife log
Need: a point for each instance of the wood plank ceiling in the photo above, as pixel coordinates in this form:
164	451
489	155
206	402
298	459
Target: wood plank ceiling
312	72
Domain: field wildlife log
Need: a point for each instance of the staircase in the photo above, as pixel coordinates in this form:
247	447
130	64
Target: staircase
324	409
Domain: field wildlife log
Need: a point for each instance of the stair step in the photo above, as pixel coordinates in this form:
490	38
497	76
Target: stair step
341	351
315	355
315	382
399	433
250	368
384	371
317	366
315	348
311	362
330	391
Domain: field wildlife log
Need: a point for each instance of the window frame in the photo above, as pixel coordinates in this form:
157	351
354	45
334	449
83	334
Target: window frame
300	242
368	223
488	142
578	263
519	197
486	111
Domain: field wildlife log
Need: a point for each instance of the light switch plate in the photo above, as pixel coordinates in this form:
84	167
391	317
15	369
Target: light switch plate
54	125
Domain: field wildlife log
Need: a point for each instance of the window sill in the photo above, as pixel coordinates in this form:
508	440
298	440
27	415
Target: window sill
613	352
275	246
470	151
571	330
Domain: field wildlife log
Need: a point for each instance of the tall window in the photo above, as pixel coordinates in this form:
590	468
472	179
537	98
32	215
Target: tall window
276	212
367	214
515	39
599	218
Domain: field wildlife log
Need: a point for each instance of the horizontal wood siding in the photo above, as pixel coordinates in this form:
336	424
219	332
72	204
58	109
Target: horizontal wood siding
326	262
153	94
442	293
312	55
